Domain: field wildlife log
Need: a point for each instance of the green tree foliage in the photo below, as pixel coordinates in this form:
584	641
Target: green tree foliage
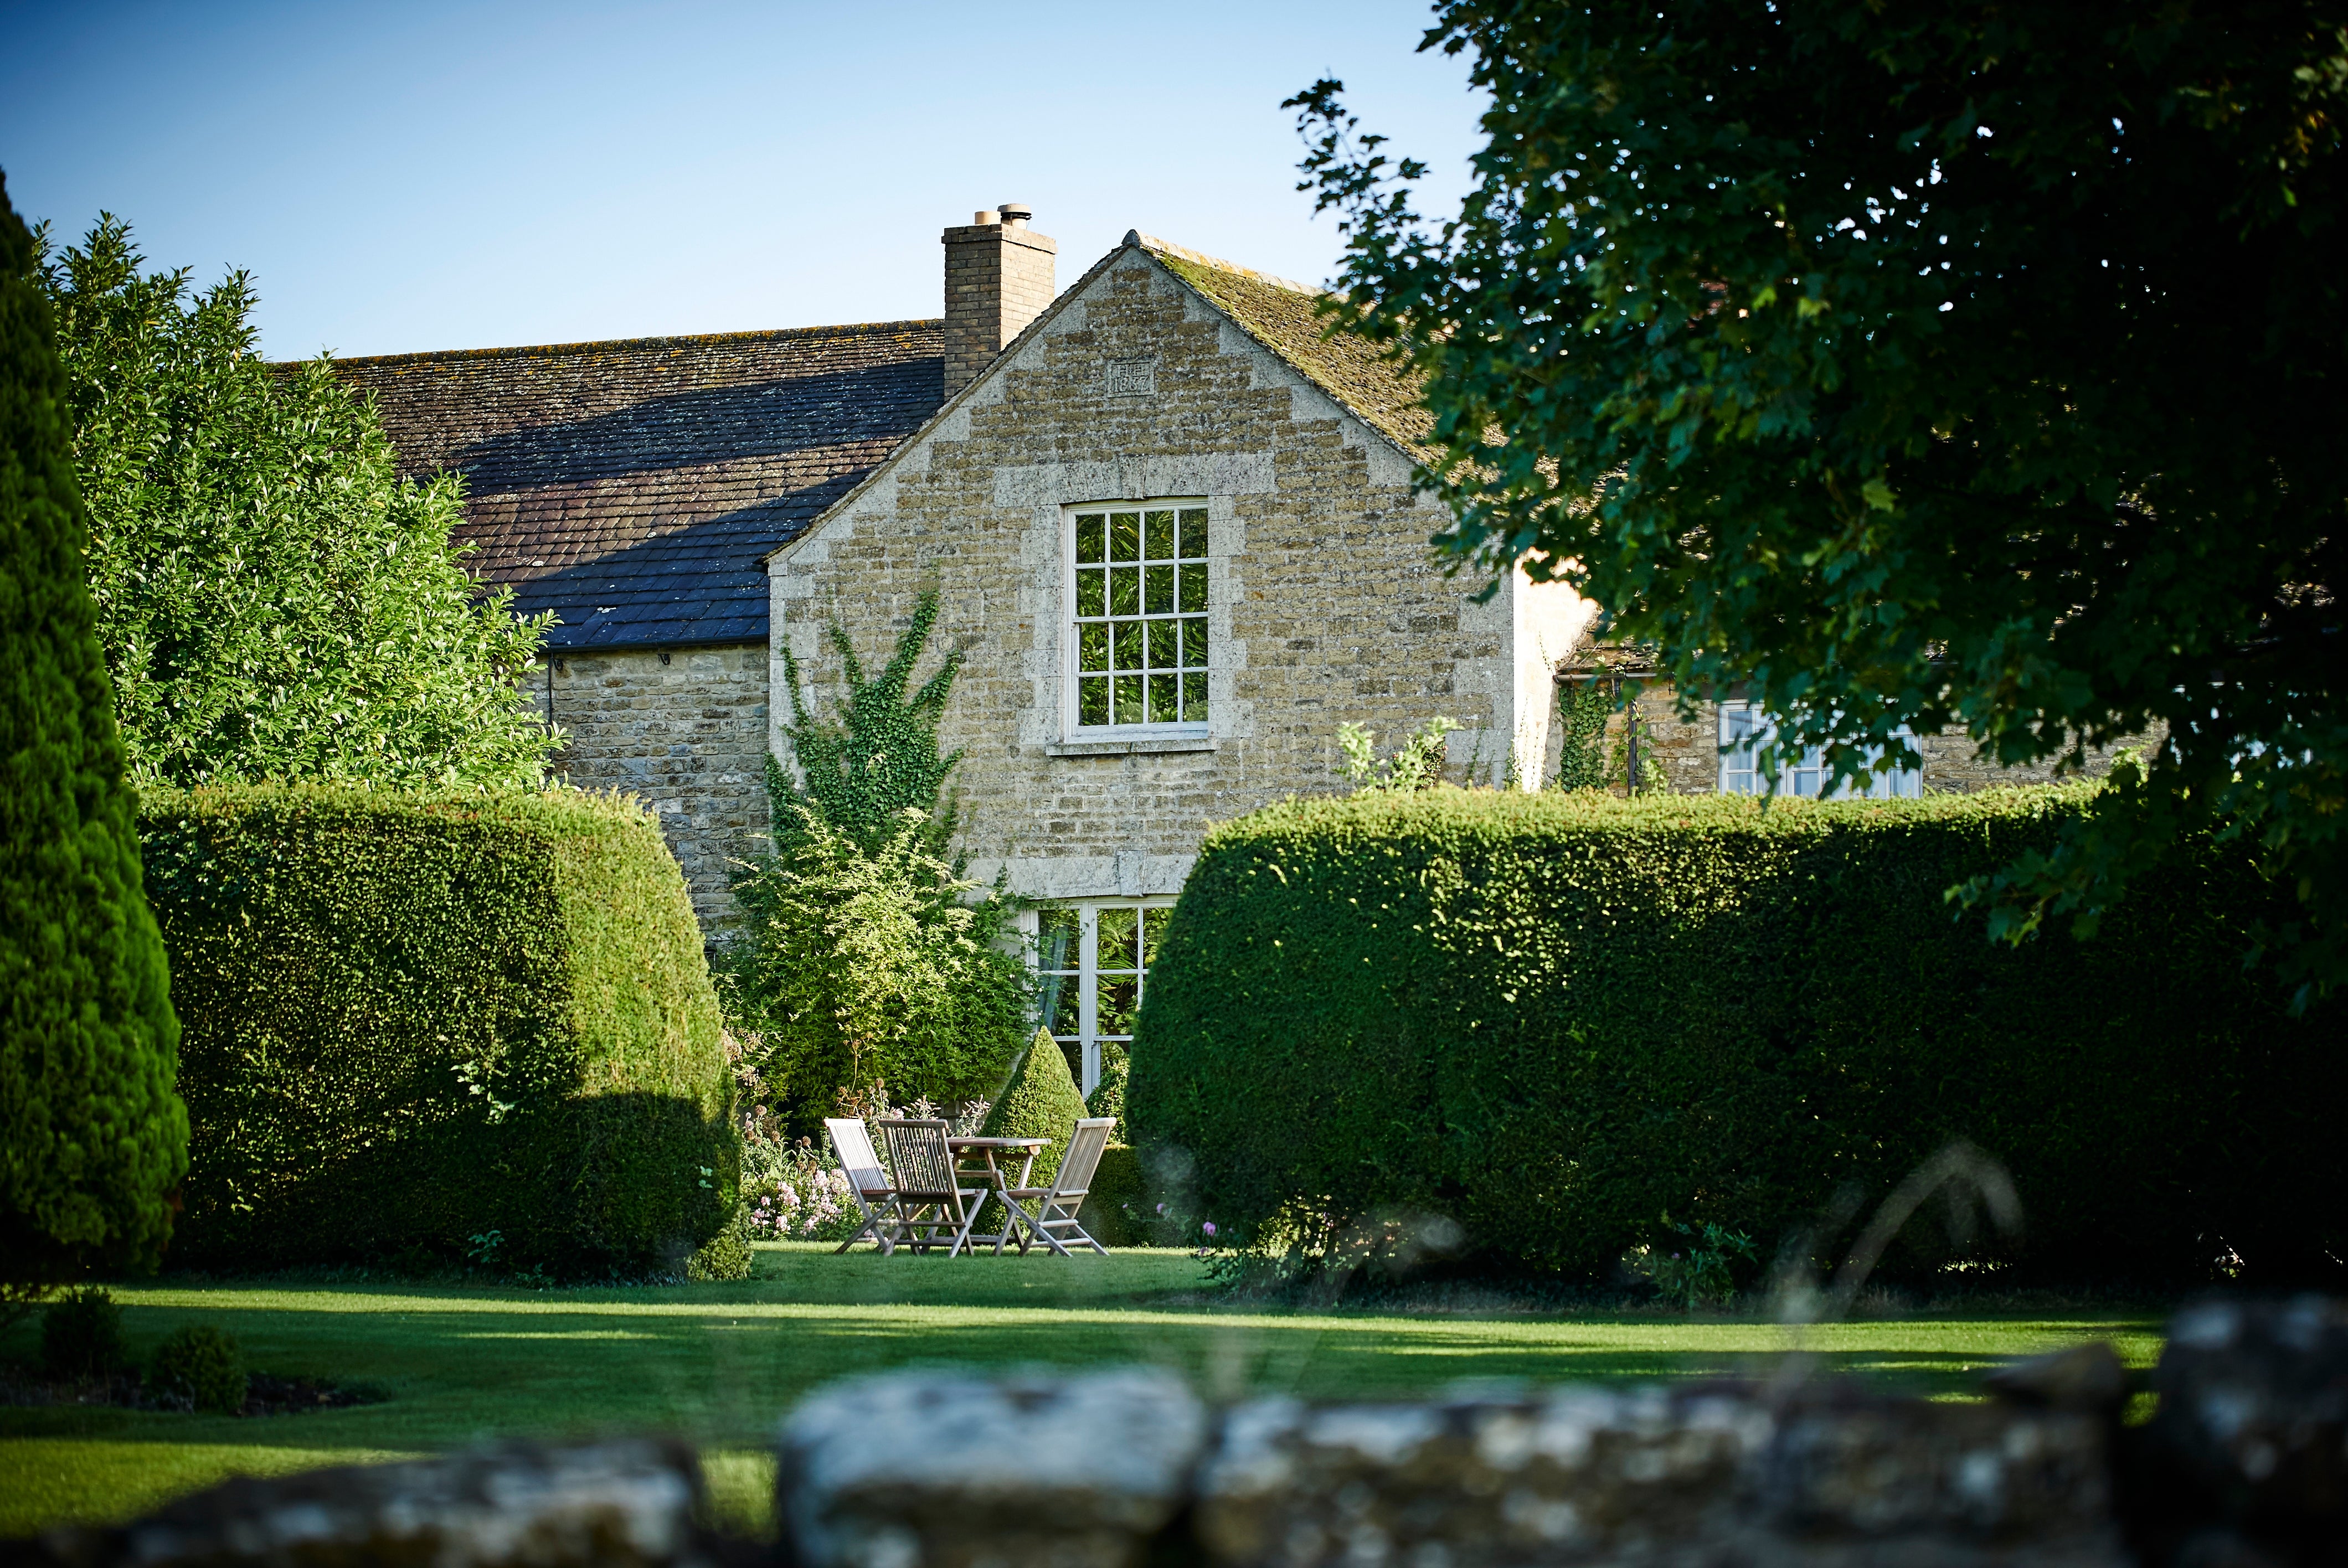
92	1137
1039	1102
869	967
864	957
1416	765
1947	364
275	601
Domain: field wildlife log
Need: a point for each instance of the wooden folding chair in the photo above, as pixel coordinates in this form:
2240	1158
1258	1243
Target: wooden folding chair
867	1183
930	1198
1056	1207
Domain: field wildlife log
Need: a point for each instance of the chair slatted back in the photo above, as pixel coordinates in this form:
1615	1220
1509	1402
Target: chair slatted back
917	1153
1083	1153
853	1141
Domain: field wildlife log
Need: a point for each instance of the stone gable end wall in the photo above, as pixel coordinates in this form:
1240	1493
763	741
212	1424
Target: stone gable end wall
1326	607
686	733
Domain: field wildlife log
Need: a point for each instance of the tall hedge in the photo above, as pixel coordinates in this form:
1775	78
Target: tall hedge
92	1138
415	1020
1556	1019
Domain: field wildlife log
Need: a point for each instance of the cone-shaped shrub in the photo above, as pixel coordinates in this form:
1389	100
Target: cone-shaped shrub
92	1137
1040	1101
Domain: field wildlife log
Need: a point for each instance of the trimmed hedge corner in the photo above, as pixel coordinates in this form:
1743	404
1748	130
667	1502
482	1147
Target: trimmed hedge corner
461	1026
1557	1018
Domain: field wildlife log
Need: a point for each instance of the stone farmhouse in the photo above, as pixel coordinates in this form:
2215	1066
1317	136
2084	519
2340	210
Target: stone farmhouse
1173	530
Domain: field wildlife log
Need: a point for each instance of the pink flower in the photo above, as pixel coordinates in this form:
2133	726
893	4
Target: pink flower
1208	1226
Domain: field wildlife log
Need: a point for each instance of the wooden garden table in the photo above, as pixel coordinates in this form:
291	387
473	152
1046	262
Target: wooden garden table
983	1157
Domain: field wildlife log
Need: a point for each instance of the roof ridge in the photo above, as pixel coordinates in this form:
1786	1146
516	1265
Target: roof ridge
1200	257
678	341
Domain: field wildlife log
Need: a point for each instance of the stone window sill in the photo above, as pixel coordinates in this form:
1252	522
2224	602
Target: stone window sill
1152	745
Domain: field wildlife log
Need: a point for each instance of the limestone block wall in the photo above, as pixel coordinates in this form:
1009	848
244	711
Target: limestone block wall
1323	605
684	729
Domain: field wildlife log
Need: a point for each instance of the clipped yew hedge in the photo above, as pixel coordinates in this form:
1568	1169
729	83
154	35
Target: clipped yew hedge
1556	1019
411	1022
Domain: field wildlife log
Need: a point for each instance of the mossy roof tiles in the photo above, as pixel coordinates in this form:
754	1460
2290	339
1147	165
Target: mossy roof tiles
1282	315
634	488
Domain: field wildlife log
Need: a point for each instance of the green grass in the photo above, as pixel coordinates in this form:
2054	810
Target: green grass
720	1364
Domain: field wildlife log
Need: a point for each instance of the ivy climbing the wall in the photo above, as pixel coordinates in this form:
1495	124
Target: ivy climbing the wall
867	957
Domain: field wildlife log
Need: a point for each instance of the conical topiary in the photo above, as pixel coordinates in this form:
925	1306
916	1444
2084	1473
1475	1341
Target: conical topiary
93	1138
1040	1101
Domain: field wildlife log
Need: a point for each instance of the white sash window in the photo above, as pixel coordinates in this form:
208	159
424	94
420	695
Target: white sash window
1746	729
1136	596
1092	961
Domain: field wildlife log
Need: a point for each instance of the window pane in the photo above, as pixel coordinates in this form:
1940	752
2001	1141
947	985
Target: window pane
1092	700
1194	643
1117	1002
1161	645
1055	938
1157	534
1114	947
1194	699
1194	532
1092	646
1153	926
1129	699
1125	536
1194	588
1089	537
1128	644
1062	1001
1074	1049
1164	708
1091	598
1158	585
1124	591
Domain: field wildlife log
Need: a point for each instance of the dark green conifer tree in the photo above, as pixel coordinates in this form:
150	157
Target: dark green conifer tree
93	1138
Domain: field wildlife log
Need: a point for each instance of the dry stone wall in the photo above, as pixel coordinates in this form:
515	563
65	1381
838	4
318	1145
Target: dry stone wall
1324	605
684	729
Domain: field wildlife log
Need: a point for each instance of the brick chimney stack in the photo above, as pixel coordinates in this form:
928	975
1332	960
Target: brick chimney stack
998	278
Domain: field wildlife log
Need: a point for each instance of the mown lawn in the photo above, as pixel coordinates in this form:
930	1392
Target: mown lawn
721	1363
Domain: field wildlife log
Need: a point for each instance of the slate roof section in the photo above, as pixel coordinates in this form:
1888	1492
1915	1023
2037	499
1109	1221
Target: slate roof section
1281	315
635	487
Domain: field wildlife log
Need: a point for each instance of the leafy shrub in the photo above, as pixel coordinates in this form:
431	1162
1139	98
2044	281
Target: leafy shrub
92	1137
1040	1101
1107	1098
1553	1017
724	1256
793	1189
858	966
81	1336
199	1367
415	1020
1418	765
1695	1266
1113	1211
862	959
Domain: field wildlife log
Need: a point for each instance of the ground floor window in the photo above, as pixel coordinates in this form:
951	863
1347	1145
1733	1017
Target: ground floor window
1092	960
1745	728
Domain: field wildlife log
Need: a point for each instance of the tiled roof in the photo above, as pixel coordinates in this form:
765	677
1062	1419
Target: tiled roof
634	488
1279	314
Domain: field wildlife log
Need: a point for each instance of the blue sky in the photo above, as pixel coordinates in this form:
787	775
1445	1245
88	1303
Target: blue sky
428	176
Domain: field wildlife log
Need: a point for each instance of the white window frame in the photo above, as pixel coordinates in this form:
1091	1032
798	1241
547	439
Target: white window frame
1087	973
1070	712
1804	776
